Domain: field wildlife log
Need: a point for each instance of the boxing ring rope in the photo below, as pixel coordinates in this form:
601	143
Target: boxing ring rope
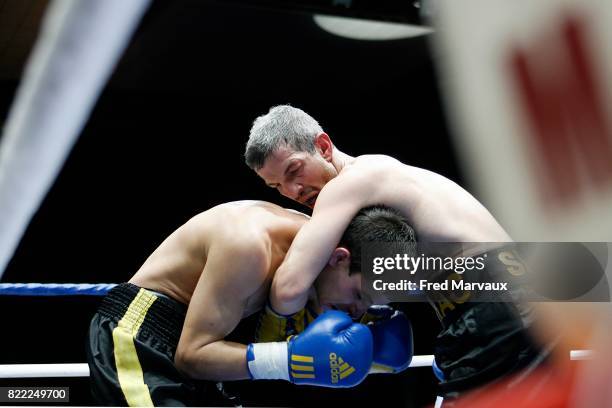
78	46
44	370
101	289
55	289
82	370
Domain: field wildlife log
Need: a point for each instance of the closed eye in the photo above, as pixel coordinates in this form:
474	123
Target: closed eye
294	171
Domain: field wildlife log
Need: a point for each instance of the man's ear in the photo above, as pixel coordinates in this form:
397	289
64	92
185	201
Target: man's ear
339	256
324	146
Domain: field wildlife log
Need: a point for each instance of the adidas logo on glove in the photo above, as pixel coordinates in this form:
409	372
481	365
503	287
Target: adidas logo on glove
313	357
339	369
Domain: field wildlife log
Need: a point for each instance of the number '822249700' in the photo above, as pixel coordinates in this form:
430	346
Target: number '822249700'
34	394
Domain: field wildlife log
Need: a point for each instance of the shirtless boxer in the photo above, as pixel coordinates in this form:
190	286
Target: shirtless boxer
290	151
169	322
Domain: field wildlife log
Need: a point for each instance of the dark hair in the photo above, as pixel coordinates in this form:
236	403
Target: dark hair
377	224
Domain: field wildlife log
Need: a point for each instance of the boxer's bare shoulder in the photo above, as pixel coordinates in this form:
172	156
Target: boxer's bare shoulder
250	230
437	207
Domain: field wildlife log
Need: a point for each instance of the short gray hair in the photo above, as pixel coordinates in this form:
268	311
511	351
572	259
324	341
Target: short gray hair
283	125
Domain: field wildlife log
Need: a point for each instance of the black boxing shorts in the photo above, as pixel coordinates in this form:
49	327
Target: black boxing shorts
481	342
131	345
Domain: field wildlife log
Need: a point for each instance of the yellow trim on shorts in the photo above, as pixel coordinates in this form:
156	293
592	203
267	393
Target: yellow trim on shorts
129	370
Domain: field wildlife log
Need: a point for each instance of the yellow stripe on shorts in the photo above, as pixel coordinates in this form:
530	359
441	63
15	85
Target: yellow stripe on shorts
129	370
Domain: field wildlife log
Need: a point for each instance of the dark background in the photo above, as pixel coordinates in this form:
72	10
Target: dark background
165	141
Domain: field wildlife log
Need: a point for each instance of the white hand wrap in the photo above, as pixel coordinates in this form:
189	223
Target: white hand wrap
270	361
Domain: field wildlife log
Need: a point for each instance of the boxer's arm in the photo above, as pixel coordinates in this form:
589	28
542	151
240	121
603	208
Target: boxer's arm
313	245
230	276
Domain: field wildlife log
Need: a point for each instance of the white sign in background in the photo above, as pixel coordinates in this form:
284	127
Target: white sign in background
529	93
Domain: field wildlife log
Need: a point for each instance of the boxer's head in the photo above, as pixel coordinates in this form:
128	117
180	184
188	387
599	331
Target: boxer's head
338	286
290	151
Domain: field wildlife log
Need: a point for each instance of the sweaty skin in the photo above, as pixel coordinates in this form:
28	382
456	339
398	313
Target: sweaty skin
220	263
437	208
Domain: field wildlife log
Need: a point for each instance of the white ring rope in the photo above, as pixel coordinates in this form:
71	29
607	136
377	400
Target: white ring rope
44	370
82	370
77	48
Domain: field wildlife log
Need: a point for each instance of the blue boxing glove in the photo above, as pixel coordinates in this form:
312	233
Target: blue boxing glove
392	335
332	352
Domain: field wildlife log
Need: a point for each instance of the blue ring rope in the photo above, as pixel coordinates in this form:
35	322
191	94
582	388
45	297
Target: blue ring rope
55	289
